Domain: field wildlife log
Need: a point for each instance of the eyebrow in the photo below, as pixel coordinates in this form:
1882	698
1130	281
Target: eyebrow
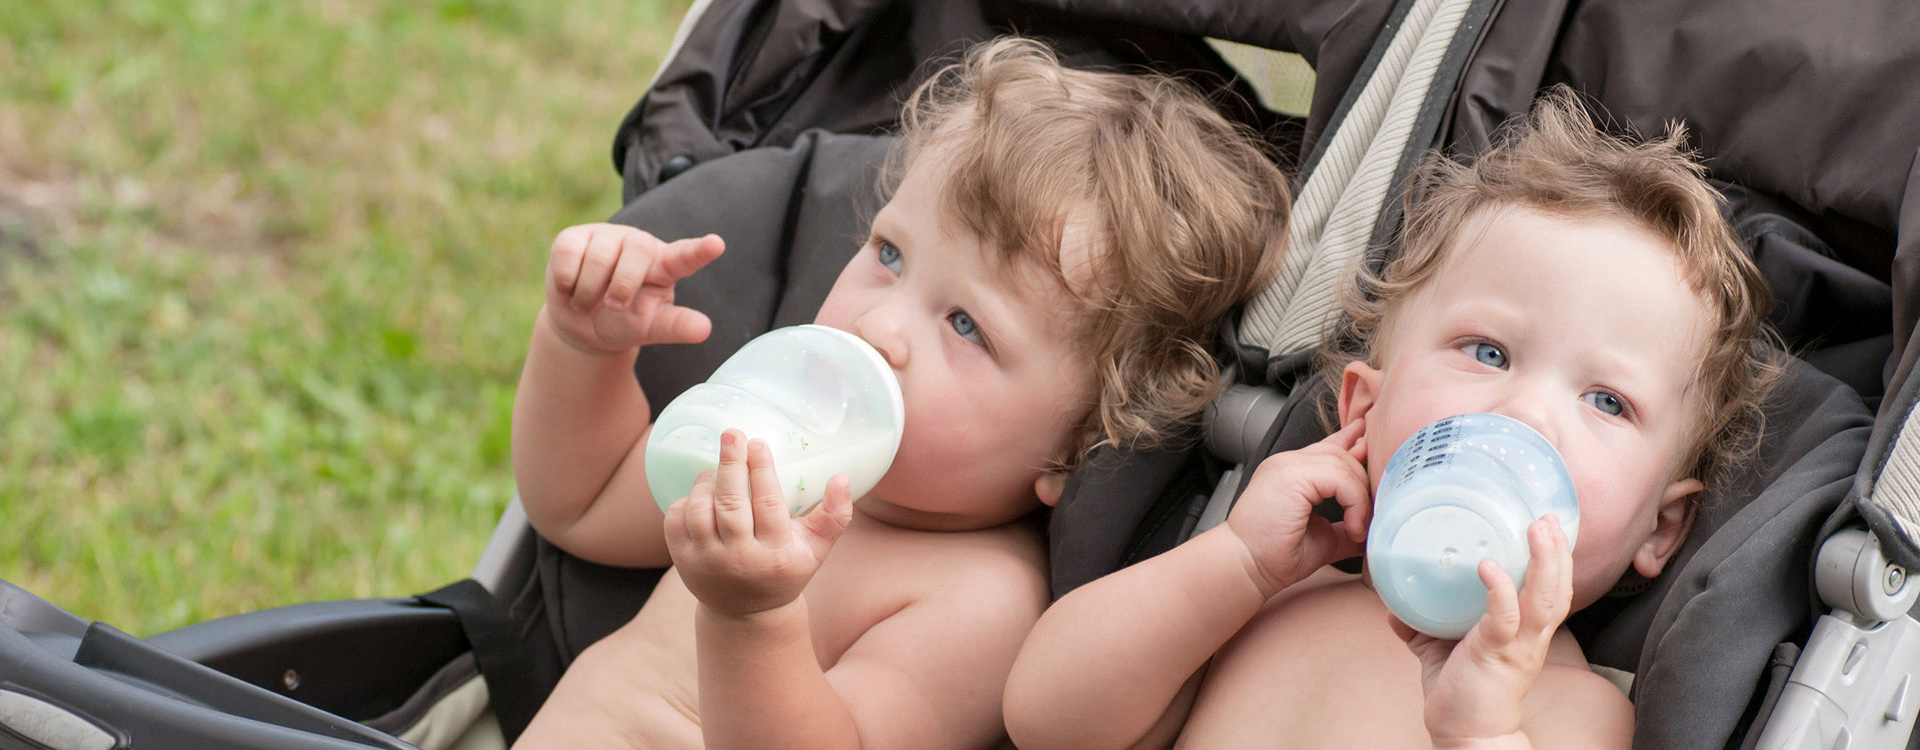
987	300
1618	370
1479	312
895	231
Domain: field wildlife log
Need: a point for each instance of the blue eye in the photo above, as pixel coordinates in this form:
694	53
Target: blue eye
889	256
1607	403
1487	354
963	324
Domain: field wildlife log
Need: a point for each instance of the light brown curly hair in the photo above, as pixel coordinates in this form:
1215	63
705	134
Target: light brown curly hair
1186	209
1558	162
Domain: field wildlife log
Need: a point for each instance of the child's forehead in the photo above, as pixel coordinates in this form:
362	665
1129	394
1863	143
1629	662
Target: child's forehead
1499	236
1050	248
1604	267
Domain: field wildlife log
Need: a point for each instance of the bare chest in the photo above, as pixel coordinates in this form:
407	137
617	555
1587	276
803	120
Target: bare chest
868	577
1318	666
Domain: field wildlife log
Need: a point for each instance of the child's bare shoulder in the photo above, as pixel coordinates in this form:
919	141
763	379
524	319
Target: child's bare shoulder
987	568
1011	557
1572	706
891	590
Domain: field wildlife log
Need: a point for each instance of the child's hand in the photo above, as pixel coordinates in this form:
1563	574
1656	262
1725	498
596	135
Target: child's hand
610	288
1475	686
732	541
1275	520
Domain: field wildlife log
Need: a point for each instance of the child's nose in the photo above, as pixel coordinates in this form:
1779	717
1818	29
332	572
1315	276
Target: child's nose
880	328
1532	410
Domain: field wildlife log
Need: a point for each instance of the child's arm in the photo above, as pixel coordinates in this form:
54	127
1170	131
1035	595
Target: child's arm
579	417
927	676
1494	690
1106	665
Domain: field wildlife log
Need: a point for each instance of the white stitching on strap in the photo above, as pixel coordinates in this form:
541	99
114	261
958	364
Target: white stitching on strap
1898	488
1334	215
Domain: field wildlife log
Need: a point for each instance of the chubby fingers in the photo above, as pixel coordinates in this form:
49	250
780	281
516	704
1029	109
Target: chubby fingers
823	525
1533	613
732	503
1355	499
563	258
1358	448
769	496
674	526
646	262
1348	435
1351	490
592	263
1351	439
1348	446
600	255
1501	624
1548	595
1310	474
689	521
681	258
633	261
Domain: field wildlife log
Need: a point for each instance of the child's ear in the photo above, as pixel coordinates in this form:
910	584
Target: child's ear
1358	384
1671	522
1049	486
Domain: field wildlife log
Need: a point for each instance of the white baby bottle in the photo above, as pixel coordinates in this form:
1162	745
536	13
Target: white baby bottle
1461	490
824	401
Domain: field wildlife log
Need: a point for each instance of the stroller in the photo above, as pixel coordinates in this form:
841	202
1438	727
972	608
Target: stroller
1783	622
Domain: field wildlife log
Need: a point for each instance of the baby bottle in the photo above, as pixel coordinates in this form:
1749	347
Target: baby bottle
1461	490
824	401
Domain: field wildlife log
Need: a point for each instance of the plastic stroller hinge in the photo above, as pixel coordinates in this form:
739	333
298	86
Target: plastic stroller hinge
1238	419
1854	684
1855	577
1849	665
1235	424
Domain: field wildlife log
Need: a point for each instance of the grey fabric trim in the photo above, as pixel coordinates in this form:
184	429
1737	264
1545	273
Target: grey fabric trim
1620	678
1896	493
459	721
1906	286
461	670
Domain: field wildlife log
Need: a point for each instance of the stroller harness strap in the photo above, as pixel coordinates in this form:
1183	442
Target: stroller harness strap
1335	214
1892	508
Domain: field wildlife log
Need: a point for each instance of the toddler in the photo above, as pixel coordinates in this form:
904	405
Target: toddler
1584	285
1046	276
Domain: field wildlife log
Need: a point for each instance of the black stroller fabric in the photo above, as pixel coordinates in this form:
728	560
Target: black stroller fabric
759	73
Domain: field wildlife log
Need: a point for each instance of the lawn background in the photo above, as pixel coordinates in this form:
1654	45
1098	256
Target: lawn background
267	271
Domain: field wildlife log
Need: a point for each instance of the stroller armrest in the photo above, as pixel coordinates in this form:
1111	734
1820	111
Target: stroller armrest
68	684
355	658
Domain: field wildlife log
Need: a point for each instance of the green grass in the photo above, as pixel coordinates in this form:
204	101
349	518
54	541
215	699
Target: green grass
267	271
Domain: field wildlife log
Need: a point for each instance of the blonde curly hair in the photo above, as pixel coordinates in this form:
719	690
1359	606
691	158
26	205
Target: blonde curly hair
1187	212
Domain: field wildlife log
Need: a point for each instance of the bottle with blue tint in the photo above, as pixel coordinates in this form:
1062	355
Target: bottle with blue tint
824	401
1459	491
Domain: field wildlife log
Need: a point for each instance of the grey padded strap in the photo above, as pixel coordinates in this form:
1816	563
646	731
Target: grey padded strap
1335	212
1896	493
